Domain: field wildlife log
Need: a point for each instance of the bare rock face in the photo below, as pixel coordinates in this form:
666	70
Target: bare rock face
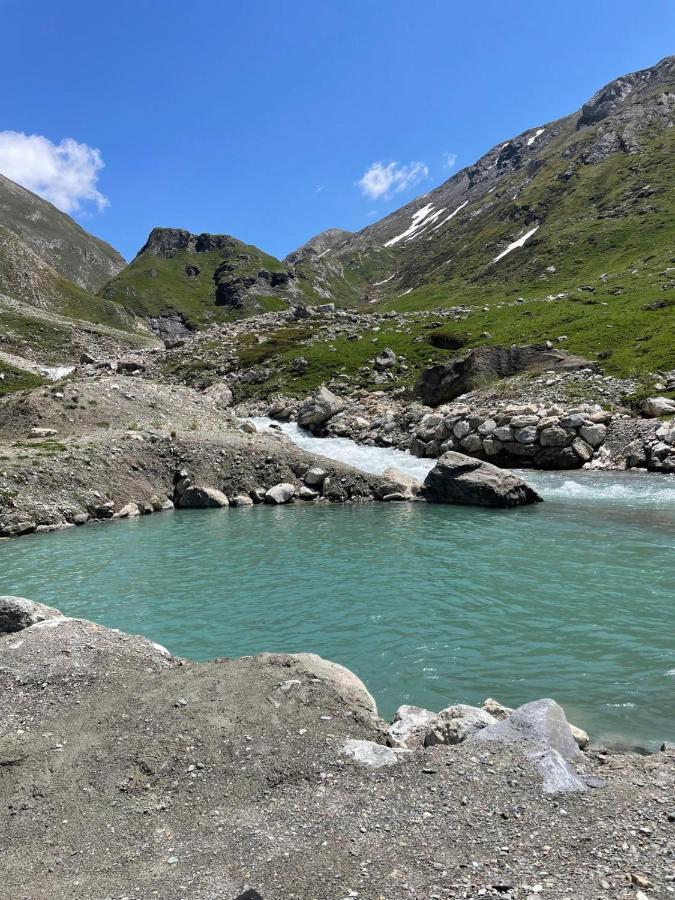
319	408
17	613
446	381
466	481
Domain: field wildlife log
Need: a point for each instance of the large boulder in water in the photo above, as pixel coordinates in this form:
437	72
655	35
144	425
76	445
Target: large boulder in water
461	479
319	408
446	381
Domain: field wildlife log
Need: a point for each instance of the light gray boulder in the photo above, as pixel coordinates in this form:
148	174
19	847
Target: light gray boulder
541	730
17	613
319	408
653	407
220	394
461	479
555	437
196	497
241	500
593	434
280	493
370	754
315	476
409	725
456	723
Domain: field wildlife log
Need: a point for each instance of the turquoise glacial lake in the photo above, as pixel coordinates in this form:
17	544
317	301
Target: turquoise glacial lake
573	598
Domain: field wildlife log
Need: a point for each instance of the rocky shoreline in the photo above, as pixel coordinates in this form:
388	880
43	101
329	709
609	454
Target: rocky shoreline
132	773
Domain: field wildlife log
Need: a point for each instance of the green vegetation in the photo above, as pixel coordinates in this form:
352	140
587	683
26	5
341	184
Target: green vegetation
13	379
186	283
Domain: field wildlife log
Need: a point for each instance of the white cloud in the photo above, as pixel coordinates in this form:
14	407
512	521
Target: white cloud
449	160
65	173
381	180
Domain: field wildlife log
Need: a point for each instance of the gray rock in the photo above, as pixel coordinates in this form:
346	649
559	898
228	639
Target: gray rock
307	493
385	360
319	408
196	497
370	754
315	476
543	733
409	725
221	395
129	511
653	407
456	723
555	437
17	613
593	434
526	435
461	429
583	450
460	479
472	443
280	493
241	500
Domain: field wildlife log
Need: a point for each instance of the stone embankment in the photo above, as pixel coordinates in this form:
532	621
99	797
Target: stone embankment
128	772
546	436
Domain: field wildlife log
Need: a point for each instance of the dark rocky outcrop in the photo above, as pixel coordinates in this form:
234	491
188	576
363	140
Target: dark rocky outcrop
469	482
446	381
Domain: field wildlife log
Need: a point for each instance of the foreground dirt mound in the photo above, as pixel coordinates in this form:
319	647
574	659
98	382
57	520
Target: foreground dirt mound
127	773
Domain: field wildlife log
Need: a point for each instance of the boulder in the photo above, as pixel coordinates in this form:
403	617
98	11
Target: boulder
385	360
129	511
370	754
319	408
221	395
460	479
456	723
280	493
445	381
543	733
196	497
555	437
315	476
241	500
17	613
653	407
593	434
409	725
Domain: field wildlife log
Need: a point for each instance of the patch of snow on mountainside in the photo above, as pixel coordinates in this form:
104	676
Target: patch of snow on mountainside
376	283
534	137
417	220
427	222
451	216
516	244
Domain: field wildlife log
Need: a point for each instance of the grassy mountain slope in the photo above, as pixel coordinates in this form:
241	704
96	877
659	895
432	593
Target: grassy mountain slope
596	193
204	278
56	239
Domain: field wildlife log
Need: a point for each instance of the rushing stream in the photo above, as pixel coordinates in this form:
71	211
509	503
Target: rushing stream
572	598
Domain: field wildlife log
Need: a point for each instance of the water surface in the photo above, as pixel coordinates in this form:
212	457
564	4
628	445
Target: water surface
572	598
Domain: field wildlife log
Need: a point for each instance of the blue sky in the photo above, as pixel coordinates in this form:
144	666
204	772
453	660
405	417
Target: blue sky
260	119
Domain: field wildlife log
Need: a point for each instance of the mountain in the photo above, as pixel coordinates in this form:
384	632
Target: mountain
49	269
202	278
566	231
575	219
56	239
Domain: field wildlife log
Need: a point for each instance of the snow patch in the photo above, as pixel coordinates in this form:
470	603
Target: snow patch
417	220
376	283
534	137
405	292
516	244
451	216
56	372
